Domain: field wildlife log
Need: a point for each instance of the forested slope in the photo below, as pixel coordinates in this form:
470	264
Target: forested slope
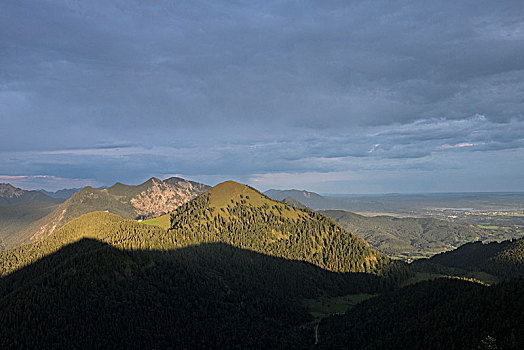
243	217
234	270
92	295
440	314
504	260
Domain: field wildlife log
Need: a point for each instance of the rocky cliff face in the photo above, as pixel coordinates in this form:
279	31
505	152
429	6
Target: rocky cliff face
165	196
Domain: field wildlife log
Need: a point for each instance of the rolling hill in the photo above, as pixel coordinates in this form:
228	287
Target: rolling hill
151	198
409	237
293	202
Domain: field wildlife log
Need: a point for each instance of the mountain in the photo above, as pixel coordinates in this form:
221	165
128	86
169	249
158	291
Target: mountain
504	260
310	199
10	195
151	198
239	215
439	314
233	214
19	209
65	193
293	202
409	237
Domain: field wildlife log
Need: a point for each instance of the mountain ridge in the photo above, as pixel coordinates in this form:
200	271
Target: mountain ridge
150	198
11	195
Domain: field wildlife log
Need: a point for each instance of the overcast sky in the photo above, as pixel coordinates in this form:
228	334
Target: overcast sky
329	96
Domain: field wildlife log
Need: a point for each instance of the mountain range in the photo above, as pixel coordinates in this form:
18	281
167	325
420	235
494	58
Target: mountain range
10	196
151	198
176	264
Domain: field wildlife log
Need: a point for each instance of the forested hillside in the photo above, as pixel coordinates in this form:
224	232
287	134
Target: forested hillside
91	294
234	269
504	260
440	314
243	217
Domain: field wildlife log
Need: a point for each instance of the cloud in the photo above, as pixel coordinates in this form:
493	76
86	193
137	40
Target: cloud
118	92
287	180
458	145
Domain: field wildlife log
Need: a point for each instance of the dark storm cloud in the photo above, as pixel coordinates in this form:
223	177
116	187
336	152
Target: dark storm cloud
122	90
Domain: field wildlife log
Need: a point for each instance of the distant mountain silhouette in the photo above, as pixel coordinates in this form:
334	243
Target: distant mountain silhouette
65	193
19	209
10	195
310	199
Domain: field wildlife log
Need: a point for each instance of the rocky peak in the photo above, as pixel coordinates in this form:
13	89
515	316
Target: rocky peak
164	196
9	191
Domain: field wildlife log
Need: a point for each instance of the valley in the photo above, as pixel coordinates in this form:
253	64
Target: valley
409	227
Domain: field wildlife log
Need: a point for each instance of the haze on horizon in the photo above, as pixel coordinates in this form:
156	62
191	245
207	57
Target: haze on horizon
338	97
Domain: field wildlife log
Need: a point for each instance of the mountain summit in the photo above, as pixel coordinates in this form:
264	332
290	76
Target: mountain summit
241	216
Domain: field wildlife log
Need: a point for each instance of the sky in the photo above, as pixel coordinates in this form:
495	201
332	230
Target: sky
328	96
